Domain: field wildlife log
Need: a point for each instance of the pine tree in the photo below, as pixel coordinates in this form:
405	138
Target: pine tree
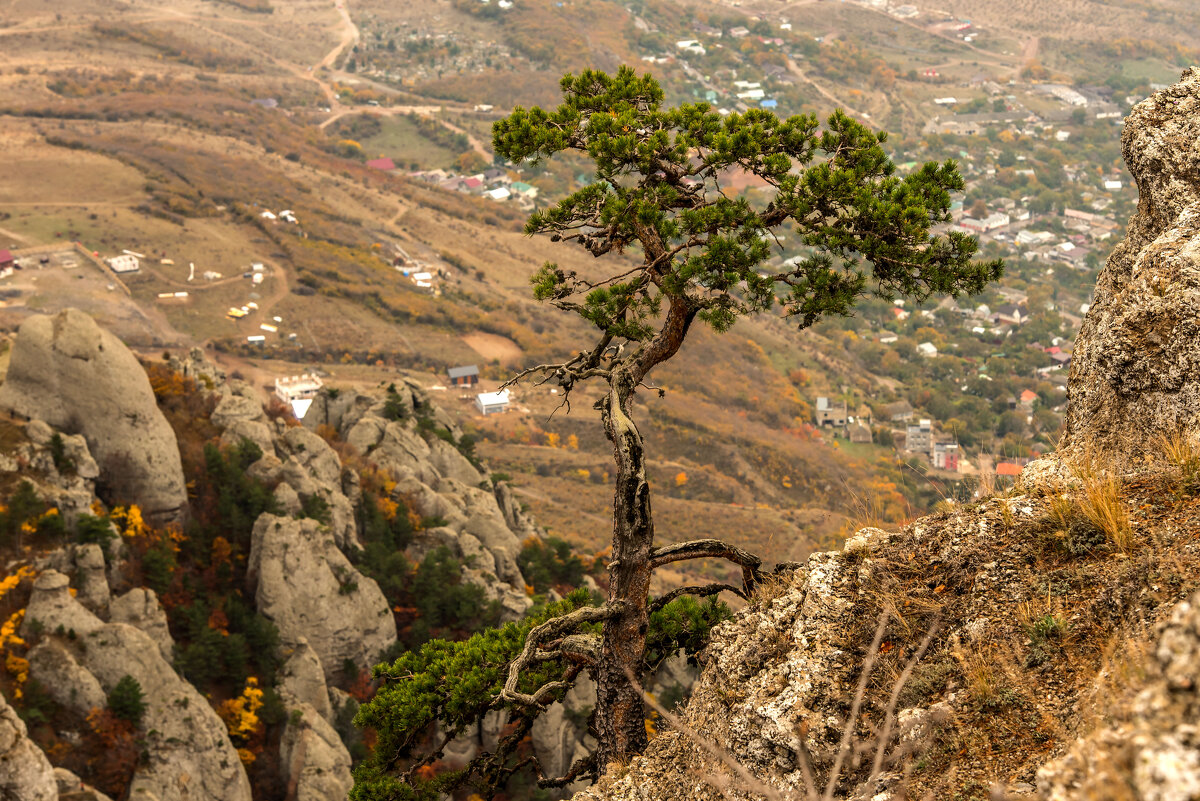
700	256
126	701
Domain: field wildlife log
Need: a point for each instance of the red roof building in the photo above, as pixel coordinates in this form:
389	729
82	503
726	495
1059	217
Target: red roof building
1028	396
1008	469
6	259
384	164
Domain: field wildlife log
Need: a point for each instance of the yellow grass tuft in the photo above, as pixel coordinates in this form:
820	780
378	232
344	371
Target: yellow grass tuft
1101	503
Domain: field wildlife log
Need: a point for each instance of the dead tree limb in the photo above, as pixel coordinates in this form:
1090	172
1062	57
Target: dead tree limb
555	628
711	549
701	590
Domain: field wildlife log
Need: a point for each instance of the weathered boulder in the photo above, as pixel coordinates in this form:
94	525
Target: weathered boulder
450	463
64	679
314	757
140	608
81	379
25	773
76	457
1153	750
188	756
302	679
1135	371
240	429
308	588
91	583
51	605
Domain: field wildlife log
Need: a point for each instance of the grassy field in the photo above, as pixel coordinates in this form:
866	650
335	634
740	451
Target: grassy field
401	141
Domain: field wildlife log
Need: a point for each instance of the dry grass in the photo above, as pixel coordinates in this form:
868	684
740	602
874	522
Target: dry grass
1101	503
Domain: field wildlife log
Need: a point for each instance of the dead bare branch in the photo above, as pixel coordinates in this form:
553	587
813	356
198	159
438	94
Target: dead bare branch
889	718
710	549
552	629
751	782
702	590
859	693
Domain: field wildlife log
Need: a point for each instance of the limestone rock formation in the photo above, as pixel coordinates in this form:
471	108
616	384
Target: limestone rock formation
188	753
1135	372
309	589
25	773
302	679
81	379
140	608
316	761
481	522
1153	750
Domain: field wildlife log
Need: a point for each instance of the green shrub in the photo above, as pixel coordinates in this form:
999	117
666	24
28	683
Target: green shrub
126	700
549	563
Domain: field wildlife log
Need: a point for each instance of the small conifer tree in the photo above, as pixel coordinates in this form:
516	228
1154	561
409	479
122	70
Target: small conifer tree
126	700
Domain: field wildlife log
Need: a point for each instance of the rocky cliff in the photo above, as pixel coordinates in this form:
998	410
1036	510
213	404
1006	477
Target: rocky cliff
1135	361
97	438
1037	643
80	379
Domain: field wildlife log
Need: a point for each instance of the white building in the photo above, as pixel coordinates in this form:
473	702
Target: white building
298	391
492	402
928	350
125	263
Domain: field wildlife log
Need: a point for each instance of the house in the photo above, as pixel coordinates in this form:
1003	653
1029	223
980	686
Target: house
899	412
384	164
860	432
928	350
492	402
297	391
125	263
988	223
1010	314
523	189
464	376
1061	359
831	414
1010	469
919	437
7	262
945	456
739	32
1028	397
499	193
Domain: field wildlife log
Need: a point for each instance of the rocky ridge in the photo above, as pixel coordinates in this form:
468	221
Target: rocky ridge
87	635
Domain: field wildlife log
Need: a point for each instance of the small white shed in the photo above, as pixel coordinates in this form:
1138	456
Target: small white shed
492	402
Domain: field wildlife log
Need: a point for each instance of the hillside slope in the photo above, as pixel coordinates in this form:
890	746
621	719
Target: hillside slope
962	654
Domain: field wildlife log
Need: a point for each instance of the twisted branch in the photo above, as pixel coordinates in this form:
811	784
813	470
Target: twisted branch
553	629
702	591
584	768
710	549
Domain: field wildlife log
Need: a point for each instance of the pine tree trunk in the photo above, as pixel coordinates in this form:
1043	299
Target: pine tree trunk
620	715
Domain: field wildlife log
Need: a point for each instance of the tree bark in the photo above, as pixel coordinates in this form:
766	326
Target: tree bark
620	713
620	716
